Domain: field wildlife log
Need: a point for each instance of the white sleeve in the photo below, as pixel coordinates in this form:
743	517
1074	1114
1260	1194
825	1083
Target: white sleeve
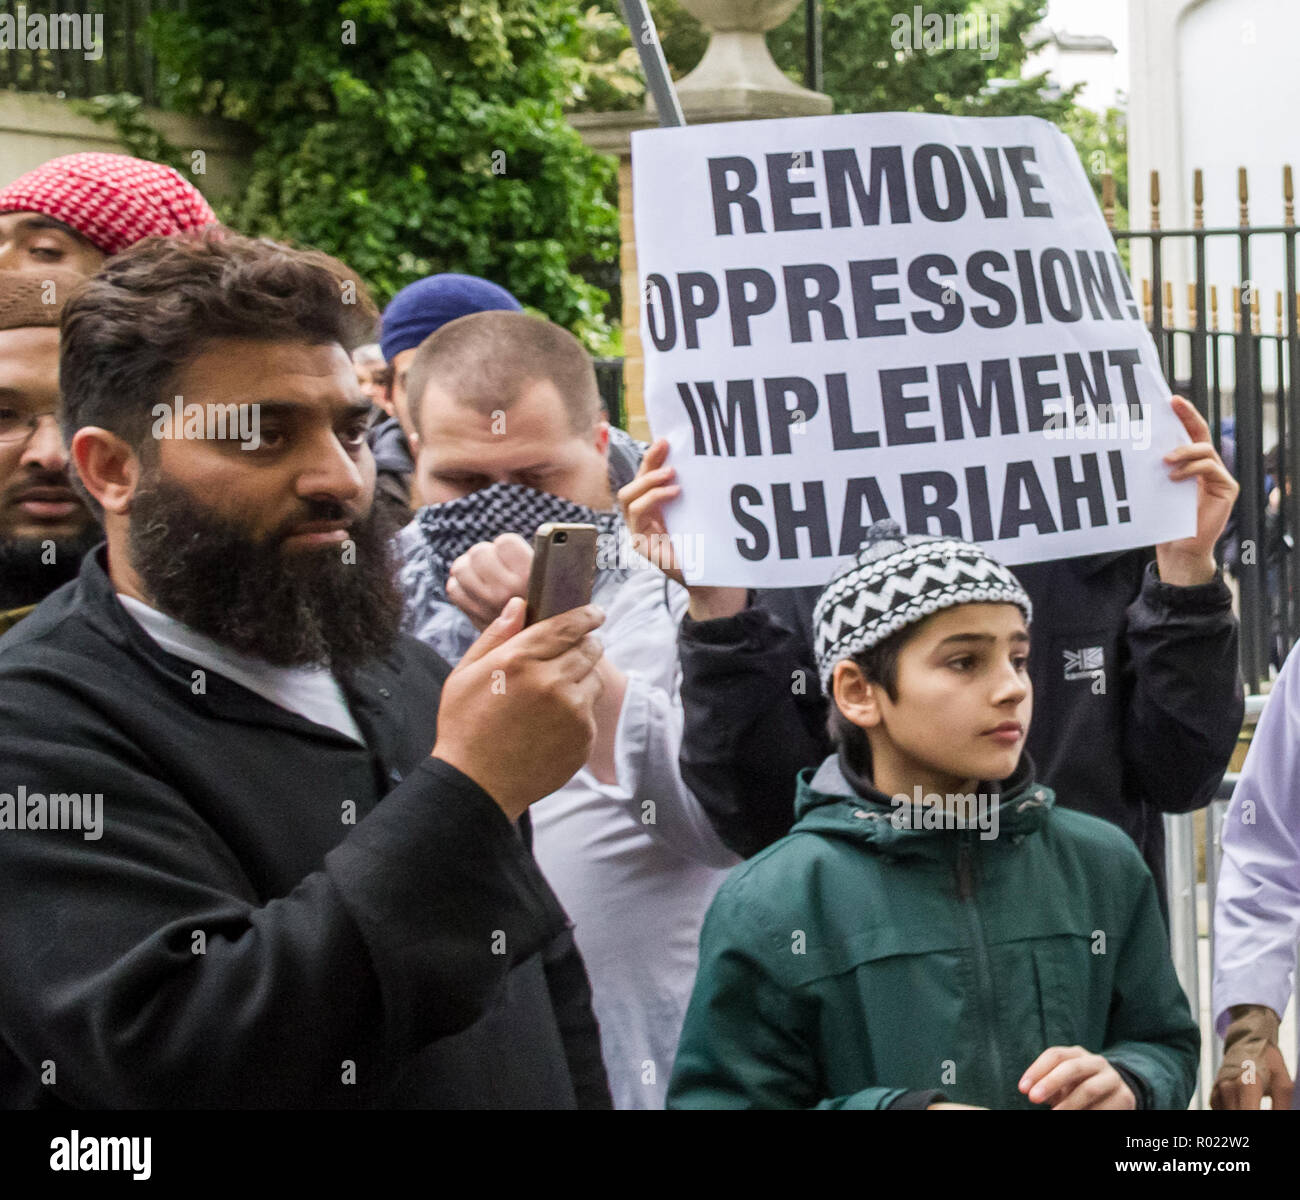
1257	903
646	747
641	640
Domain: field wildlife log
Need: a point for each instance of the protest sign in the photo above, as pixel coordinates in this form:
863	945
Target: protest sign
904	315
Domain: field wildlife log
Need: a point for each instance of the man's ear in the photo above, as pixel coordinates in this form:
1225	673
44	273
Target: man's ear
108	466
414	442
855	696
602	434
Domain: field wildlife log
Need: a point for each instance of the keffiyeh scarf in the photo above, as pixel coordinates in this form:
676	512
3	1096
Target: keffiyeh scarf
441	533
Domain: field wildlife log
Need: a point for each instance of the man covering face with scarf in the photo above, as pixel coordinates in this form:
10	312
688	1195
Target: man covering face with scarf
509	434
502	514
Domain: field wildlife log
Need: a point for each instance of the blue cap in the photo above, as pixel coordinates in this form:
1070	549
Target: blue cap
428	304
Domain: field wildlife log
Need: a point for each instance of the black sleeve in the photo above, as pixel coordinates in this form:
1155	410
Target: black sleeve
1141	1093
146	968
918	1100
754	717
1187	702
570	989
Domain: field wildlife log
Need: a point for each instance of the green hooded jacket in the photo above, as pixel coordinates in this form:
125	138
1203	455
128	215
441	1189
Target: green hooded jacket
856	959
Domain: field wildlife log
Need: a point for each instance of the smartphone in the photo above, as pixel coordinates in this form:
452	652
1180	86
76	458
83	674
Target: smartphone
563	571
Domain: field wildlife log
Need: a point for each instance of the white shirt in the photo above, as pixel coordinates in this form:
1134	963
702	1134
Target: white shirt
1257	903
636	863
311	692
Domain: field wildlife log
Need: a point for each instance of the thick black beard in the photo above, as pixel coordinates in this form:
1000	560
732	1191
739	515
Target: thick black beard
307	609
25	578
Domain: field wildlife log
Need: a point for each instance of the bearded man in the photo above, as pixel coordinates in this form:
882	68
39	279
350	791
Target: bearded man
44	526
261	849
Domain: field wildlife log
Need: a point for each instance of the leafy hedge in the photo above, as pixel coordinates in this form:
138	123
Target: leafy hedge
409	137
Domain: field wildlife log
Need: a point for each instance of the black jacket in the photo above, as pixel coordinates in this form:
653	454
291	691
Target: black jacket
1148	731
274	915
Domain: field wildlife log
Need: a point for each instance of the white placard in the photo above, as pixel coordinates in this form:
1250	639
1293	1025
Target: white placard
904	315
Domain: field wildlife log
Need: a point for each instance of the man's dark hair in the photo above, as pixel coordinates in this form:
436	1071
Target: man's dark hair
486	359
154	307
878	664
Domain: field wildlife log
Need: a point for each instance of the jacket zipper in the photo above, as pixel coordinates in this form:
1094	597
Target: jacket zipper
983	972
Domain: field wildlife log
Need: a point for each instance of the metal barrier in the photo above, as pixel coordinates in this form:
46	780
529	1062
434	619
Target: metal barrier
1184	933
1184	943
1229	366
124	61
609	381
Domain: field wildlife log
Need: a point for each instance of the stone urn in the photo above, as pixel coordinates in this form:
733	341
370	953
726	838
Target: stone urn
737	76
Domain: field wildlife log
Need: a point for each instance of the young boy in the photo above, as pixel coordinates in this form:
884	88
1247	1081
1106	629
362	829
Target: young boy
933	930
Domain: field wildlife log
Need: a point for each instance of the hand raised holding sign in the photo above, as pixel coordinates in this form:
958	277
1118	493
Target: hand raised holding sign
935	307
642	503
1190	561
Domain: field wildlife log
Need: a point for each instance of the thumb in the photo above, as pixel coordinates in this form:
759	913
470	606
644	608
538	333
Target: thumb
509	623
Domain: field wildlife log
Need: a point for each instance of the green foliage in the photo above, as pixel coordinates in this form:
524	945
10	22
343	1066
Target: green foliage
615	81
409	137
1102	142
608	71
864	71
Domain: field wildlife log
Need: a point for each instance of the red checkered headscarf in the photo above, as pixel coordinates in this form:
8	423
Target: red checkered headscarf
112	200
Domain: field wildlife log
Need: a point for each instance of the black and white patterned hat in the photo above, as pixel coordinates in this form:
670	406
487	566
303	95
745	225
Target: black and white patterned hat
896	580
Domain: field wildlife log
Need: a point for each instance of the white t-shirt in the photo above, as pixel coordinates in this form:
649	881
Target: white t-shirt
636	863
311	692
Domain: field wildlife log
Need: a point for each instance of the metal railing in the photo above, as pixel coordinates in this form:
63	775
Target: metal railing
1250	377
1226	377
609	381
124	61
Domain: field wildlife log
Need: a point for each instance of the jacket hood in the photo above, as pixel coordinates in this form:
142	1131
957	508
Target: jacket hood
826	802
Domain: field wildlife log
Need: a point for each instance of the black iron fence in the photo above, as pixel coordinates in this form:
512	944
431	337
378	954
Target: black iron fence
609	379
1245	381
80	48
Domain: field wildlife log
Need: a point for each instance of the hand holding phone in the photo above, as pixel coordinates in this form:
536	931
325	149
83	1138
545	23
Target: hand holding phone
563	570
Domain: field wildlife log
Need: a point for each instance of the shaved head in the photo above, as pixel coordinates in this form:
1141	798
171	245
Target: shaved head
487	360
